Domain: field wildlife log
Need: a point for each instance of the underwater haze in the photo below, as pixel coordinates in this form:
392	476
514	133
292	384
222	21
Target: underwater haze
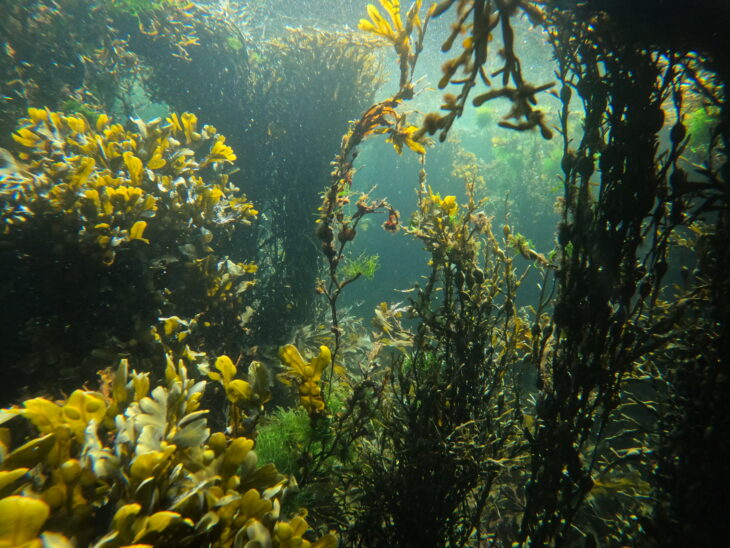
414	274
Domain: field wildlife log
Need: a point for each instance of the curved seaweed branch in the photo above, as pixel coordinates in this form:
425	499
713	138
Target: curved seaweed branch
336	228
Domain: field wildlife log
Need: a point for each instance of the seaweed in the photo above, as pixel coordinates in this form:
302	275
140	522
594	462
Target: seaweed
517	395
132	466
103	221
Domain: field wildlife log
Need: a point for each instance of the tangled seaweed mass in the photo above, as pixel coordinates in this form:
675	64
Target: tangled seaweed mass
137	211
200	342
151	456
113	183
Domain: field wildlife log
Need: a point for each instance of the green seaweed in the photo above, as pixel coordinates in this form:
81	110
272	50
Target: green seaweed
283	438
364	265
138	7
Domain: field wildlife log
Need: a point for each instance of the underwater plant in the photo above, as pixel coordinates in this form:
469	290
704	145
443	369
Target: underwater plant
306	72
112	182
336	227
33	70
140	7
596	415
283	438
449	432
267	97
592	356
306	376
132	214
94	69
245	397
129	466
398	32
527	187
479	20
363	265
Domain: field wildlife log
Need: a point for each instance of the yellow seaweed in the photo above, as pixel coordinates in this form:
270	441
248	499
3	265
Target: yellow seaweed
157	161
159	522
221	152
189	122
226	368
174	122
7	478
306	375
239	391
31	453
77	124
213	484
150	463
81	407
26	137
44	414
37	114
253	506
134	166
21	519
407	136
137	231
101	121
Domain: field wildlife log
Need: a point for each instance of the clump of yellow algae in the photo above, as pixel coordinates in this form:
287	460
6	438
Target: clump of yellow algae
148	460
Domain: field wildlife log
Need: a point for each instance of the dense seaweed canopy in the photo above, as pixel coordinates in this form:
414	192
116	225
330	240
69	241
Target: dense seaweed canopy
308	274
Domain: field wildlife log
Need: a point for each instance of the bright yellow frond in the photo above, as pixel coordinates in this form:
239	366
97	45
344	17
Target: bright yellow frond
379	25
393	9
